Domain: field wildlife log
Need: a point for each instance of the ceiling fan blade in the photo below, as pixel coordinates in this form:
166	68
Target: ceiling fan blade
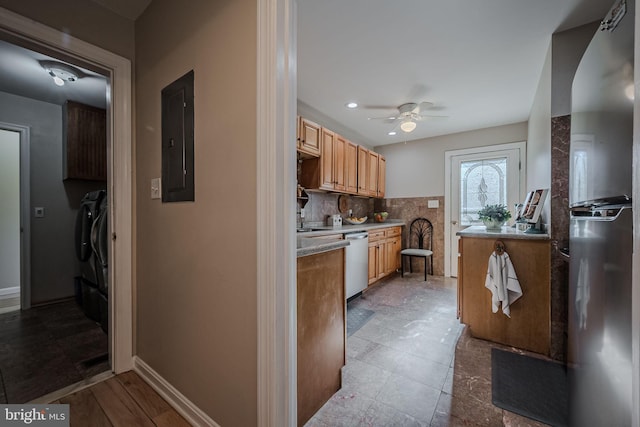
425	105
428	116
383	118
380	107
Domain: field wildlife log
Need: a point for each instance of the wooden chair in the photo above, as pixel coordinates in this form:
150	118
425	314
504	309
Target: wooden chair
419	244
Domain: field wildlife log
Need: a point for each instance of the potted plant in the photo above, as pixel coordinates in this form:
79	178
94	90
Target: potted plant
494	216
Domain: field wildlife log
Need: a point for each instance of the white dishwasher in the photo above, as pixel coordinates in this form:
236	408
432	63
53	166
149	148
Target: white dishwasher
356	263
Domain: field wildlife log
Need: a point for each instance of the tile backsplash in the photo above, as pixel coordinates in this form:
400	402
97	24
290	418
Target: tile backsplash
321	205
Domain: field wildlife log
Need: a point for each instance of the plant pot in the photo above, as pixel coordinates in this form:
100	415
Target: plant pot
493	224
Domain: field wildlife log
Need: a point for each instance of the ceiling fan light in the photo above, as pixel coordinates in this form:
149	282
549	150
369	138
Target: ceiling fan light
408	125
58	81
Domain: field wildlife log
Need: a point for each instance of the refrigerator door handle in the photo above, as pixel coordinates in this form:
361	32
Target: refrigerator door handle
609	214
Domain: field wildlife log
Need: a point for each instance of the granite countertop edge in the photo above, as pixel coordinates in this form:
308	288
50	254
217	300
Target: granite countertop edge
506	232
307	245
310	246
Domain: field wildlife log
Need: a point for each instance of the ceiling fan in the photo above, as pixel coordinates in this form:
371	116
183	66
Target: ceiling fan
408	115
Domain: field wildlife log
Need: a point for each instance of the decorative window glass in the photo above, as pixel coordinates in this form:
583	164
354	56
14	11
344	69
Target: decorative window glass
483	182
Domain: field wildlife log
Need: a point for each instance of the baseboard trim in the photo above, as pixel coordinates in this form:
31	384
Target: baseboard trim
177	400
11	292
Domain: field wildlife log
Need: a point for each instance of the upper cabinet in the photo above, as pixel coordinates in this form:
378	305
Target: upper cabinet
342	166
309	138
84	142
382	176
351	169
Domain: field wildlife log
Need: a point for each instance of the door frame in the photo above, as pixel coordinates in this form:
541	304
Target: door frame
276	239
120	169
25	217
448	157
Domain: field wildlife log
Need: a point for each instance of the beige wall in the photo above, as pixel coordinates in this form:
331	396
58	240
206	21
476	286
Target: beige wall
196	320
539	138
416	169
85	20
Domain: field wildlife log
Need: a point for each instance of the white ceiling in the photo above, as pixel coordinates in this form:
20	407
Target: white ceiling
479	62
22	74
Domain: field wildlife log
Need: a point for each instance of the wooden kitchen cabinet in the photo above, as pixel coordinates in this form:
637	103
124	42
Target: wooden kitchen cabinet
382	176
84	142
321	325
308	139
372	181
325	161
363	171
351	170
529	327
341	166
385	245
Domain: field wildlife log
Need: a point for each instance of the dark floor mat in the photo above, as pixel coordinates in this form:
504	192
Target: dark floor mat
356	318
534	388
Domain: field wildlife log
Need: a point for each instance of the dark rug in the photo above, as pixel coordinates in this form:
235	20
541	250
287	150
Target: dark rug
534	388
356	318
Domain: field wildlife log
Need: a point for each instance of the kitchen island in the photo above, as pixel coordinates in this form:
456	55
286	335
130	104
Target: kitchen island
529	326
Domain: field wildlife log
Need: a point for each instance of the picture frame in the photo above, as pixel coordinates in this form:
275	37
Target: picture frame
532	206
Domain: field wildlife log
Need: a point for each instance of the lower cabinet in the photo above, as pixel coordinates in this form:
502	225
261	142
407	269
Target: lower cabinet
529	326
385	245
321	323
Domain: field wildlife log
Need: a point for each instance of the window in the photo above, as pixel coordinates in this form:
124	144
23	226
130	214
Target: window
483	182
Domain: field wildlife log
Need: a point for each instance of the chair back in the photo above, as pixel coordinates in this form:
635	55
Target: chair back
420	234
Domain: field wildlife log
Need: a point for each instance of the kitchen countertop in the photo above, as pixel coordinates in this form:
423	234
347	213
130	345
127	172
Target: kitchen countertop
506	232
309	244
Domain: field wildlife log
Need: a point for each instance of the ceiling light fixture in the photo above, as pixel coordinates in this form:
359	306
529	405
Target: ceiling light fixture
408	125
61	72
393	132
352	105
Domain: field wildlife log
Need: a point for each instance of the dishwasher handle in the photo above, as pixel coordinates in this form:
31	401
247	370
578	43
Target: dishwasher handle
356	236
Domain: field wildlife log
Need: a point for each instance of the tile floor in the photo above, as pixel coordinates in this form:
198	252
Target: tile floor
413	364
47	348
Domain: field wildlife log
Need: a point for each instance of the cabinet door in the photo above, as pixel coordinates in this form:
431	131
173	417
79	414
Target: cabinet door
310	138
298	132
382	172
339	163
372	180
84	142
392	254
363	171
326	159
382	259
373	262
351	170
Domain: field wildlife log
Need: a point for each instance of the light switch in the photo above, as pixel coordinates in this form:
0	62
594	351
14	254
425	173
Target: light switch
38	212
156	189
434	204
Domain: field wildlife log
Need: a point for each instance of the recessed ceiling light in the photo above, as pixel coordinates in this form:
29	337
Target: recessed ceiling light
352	104
393	132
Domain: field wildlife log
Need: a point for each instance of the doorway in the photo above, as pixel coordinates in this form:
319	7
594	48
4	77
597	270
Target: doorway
474	178
119	133
10	274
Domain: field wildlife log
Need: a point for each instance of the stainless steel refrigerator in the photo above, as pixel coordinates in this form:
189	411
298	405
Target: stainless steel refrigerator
599	335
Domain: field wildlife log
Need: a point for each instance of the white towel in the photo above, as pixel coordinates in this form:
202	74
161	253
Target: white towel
502	282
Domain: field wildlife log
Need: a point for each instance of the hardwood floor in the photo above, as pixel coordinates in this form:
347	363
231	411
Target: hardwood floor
47	348
123	400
